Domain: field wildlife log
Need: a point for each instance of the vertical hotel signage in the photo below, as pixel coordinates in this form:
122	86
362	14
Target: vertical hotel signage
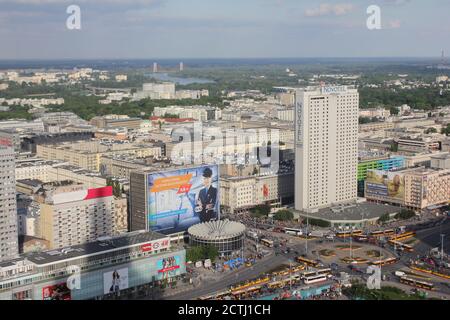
299	124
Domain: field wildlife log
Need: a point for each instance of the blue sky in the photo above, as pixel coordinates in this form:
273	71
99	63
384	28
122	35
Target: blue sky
222	29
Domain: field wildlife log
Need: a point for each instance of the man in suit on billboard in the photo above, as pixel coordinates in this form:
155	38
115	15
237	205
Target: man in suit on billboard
207	198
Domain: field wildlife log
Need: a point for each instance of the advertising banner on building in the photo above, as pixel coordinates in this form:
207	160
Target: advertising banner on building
115	281
168	267
178	199
56	292
156	245
386	184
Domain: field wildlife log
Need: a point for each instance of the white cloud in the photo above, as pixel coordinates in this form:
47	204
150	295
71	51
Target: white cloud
326	9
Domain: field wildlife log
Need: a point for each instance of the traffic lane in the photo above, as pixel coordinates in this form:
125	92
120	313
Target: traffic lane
248	273
431	238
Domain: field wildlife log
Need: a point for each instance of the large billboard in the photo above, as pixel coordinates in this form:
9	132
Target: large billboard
181	198
115	280
57	292
168	267
385	184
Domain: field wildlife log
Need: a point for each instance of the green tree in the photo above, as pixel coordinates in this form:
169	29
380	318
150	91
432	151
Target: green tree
405	214
446	130
319	223
394	111
284	215
261	210
384	218
198	253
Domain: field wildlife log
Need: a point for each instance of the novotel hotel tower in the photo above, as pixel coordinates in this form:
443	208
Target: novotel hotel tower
326	147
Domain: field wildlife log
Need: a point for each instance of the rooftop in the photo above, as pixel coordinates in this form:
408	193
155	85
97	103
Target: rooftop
217	230
354	212
93	248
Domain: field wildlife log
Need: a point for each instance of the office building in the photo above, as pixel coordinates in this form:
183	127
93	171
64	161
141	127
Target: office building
326	147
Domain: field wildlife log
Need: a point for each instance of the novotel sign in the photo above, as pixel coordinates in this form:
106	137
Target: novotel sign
330	90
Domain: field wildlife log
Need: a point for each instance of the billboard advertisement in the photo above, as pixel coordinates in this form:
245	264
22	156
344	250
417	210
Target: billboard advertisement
181	198
56	292
168	267
386	184
156	245
115	280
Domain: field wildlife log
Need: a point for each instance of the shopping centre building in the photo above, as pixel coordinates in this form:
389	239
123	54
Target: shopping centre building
96	270
415	188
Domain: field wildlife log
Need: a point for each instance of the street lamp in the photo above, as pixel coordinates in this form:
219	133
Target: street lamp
307	231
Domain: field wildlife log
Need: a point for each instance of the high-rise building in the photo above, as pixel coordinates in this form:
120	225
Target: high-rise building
72	214
8	208
326	146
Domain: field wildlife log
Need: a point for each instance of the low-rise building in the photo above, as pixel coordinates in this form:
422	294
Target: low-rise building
138	258
416	188
242	193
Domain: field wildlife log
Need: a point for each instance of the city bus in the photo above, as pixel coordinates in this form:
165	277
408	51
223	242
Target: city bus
217	296
255	289
322	272
361	238
293	231
267	243
384	262
308	262
249	284
417	283
382	233
404	246
349	233
404	236
315	279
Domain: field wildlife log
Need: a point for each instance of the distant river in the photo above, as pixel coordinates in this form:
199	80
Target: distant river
178	80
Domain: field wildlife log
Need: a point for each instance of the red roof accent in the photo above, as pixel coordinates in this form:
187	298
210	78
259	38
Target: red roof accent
99	193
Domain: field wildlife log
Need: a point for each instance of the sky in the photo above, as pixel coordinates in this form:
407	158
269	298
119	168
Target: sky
126	29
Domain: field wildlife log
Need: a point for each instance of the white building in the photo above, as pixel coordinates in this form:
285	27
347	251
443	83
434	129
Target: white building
326	146
121	77
9	247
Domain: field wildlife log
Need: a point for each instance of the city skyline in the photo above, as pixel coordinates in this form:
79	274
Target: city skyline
137	29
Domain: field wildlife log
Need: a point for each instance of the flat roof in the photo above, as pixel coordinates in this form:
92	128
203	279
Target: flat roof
97	247
353	212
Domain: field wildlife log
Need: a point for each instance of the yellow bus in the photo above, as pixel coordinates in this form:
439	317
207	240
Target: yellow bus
403	236
382	233
417	283
384	262
345	234
308	262
267	243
